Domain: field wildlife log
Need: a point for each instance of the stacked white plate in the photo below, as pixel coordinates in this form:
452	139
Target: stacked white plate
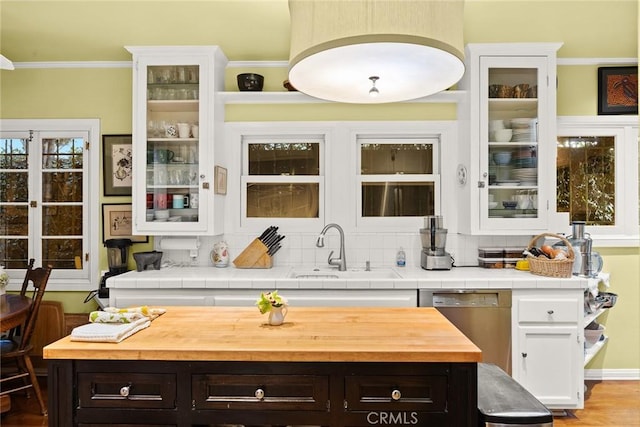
526	176
524	130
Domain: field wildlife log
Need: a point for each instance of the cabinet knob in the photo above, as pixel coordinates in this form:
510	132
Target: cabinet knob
549	312
259	394
396	395
124	391
524	354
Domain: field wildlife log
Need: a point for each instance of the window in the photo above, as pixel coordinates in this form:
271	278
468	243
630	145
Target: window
597	175
398	177
281	178
45	202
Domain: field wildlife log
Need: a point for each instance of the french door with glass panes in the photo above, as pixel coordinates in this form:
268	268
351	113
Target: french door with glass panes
44	210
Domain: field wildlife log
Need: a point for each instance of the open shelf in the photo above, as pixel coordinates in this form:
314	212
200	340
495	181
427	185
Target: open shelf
448	96
588	318
591	352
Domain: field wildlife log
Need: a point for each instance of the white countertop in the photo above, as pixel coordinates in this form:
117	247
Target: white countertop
280	277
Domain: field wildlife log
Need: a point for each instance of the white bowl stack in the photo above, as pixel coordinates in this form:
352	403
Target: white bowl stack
524	130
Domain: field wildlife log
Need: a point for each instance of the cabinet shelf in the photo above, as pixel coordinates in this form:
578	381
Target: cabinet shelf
449	96
172	106
173	140
172	186
513	104
588	318
591	352
512	144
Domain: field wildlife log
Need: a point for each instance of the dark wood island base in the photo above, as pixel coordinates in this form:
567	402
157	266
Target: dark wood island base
359	374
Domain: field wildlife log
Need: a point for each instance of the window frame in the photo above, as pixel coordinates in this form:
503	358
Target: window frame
624	129
376	222
238	136
339	191
64	280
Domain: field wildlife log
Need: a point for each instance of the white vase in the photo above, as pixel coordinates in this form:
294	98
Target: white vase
276	315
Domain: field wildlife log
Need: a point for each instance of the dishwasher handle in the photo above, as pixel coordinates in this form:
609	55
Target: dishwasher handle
469	298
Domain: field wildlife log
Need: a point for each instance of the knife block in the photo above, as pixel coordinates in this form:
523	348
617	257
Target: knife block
254	256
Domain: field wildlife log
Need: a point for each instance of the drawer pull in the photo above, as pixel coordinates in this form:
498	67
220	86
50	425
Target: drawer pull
396	395
524	354
549	312
259	394
124	391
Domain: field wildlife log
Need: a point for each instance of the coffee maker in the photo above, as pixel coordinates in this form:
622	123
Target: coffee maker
118	257
434	239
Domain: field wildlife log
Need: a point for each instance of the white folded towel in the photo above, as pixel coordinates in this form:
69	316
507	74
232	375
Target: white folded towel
108	332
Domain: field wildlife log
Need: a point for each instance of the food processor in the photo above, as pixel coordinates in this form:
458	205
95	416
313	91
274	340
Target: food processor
434	239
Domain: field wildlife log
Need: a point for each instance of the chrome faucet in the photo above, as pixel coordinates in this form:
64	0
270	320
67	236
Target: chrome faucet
342	261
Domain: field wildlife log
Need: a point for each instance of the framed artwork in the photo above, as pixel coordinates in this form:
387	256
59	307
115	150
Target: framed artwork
117	164
220	186
617	90
117	219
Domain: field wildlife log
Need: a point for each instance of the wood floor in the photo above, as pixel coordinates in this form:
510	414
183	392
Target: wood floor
607	404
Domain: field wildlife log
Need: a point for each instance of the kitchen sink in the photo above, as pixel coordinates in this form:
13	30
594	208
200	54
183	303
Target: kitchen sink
317	273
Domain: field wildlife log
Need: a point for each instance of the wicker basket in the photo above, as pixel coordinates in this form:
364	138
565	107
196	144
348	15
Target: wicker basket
543	266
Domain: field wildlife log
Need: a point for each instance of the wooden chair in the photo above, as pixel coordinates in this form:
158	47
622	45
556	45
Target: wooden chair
23	292
16	348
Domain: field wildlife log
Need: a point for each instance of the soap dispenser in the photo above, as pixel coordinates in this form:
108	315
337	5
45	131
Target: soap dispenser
401	258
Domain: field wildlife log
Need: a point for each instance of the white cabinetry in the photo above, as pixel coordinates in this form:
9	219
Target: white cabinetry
508	120
548	345
177	127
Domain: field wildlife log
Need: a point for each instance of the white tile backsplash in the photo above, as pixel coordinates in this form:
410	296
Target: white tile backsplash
378	248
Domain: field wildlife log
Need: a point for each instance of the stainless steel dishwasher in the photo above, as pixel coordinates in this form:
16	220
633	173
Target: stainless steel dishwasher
484	316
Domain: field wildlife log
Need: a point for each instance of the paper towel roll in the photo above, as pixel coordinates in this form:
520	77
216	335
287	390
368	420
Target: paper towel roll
183	243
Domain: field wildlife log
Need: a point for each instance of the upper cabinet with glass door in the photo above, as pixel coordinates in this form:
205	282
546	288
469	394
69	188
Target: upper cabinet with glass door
177	124
512	115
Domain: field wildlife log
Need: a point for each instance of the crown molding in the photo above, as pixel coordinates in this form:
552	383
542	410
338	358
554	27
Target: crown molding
129	64
597	61
283	64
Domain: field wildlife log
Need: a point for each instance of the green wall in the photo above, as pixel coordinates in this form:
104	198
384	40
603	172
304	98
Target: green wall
597	29
106	94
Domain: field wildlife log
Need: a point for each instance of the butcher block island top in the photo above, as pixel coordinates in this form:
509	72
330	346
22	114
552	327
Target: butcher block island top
309	334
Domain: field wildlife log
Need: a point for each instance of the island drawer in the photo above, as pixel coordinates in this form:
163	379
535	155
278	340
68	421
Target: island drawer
263	392
126	390
541	310
424	393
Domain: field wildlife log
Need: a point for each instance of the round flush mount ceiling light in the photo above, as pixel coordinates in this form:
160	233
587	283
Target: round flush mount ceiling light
413	48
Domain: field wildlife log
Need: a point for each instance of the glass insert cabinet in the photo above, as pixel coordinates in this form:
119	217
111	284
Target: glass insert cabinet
175	129
512	114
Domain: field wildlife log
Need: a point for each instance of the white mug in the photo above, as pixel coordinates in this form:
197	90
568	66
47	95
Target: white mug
194	200
524	201
184	130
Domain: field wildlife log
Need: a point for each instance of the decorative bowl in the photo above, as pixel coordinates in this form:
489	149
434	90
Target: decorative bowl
250	82
509	204
502	158
288	86
502	135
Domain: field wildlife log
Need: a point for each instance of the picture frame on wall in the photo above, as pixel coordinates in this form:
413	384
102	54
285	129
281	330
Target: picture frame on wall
117	222
117	164
220	185
617	90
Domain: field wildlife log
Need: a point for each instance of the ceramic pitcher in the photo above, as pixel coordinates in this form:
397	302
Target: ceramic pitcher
220	254
277	314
